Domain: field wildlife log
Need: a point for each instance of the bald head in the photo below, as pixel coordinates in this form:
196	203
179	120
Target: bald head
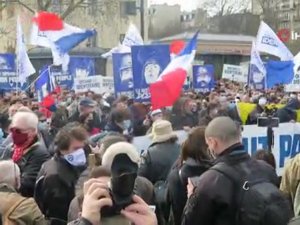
223	128
9	173
221	133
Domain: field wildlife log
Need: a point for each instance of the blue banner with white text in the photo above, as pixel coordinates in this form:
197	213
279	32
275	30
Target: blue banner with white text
9	80
148	62
203	78
123	78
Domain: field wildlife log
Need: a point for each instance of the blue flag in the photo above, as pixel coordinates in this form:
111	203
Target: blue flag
279	72
45	83
123	78
203	78
148	62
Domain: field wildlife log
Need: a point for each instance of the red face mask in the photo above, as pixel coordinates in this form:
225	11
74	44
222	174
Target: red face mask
18	137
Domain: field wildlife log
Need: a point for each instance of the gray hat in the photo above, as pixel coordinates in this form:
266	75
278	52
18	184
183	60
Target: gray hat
87	102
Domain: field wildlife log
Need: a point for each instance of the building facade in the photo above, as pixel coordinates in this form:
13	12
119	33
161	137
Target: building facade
110	18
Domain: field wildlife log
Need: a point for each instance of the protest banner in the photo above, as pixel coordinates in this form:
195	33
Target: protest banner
78	67
235	73
148	62
123	78
107	84
203	78
98	84
295	85
286	141
84	84
8	76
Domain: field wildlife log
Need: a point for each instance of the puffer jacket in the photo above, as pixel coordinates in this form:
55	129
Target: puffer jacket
158	160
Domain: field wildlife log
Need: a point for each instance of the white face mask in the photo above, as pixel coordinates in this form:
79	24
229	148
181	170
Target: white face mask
76	158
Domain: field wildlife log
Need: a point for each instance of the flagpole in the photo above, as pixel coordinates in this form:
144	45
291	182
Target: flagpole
48	70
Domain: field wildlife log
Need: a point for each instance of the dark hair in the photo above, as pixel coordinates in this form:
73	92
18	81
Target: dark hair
266	156
195	146
68	133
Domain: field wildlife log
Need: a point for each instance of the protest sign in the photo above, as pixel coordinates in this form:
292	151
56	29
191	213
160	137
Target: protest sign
107	84
8	76
235	73
295	85
78	67
84	84
257	79
123	78
203	78
286	141
98	84
148	62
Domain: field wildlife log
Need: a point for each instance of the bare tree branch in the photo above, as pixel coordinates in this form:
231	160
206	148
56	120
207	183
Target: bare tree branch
72	6
47	4
26	6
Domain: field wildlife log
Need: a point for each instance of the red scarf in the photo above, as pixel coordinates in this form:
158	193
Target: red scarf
19	150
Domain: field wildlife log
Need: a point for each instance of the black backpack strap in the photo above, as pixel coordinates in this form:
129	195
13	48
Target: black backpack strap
228	171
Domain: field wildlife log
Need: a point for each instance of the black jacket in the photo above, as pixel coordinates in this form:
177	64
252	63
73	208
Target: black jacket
177	182
56	187
158	160
212	202
184	120
92	124
30	165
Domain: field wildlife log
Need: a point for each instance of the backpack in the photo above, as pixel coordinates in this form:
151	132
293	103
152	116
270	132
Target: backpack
258	201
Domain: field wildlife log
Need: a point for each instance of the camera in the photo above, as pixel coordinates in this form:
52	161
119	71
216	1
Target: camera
268	122
121	186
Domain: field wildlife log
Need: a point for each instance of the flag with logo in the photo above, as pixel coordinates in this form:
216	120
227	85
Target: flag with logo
24	66
267	41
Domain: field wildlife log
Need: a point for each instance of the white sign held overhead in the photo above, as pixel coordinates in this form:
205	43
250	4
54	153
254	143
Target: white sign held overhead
235	73
98	84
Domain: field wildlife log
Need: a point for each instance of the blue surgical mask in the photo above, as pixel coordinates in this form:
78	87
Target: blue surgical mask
76	158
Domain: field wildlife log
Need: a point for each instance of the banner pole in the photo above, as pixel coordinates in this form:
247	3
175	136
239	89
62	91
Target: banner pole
38	77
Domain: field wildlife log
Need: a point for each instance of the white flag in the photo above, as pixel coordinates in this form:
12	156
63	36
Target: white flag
24	66
132	37
256	60
267	41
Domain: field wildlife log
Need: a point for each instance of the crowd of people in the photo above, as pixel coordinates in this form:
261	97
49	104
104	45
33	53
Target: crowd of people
74	162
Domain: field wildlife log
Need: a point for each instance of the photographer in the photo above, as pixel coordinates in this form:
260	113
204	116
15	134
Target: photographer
96	197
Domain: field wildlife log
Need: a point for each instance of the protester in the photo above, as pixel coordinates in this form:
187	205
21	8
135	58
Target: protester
290	183
28	152
257	112
214	201
119	121
137	213
266	156
194	160
161	155
14	208
87	116
182	115
55	188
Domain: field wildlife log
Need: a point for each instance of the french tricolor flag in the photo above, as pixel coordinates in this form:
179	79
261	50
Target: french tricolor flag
167	89
50	31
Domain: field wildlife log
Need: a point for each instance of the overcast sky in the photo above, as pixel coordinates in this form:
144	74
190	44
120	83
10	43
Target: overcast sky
186	5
